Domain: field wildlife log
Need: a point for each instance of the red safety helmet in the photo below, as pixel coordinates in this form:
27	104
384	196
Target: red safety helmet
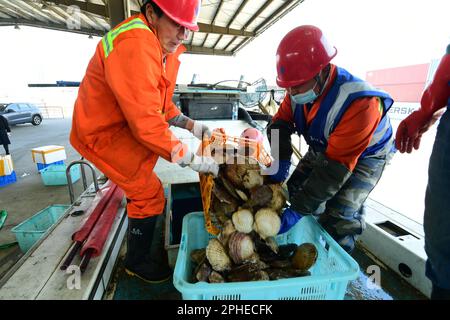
184	12
301	55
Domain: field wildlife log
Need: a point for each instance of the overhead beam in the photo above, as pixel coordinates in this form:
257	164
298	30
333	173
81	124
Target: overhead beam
22	11
207	28
249	22
117	12
277	15
203	50
51	26
213	20
274	17
241	7
85	6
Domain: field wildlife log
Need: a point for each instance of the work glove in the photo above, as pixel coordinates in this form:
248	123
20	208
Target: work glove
200	130
204	165
411	129
200	164
289	218
281	174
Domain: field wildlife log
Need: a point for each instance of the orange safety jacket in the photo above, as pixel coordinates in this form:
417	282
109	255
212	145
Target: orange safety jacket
120	119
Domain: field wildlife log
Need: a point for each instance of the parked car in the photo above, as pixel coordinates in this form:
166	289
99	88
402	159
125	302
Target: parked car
17	113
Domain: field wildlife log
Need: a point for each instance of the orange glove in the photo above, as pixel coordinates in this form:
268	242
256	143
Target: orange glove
410	130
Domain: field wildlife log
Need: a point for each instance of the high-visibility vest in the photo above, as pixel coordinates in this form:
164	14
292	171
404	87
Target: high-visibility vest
344	91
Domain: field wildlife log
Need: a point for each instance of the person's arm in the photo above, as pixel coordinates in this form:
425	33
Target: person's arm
345	145
434	98
197	128
281	127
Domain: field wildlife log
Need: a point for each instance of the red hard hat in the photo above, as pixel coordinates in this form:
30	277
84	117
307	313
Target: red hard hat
184	12
302	53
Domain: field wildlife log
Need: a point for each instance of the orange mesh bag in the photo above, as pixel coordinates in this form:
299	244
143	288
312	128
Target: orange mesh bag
219	140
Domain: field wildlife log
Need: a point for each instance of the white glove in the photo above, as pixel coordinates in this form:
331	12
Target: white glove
199	130
9	134
204	165
199	164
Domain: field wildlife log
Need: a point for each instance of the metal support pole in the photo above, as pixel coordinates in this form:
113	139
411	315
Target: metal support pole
117	10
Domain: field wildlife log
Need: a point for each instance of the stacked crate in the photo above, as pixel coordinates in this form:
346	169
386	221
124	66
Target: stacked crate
48	155
7	173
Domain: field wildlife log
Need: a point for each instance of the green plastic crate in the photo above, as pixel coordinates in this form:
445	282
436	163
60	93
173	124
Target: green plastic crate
31	230
55	175
329	277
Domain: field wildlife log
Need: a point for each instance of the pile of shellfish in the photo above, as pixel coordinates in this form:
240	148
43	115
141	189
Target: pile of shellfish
247	207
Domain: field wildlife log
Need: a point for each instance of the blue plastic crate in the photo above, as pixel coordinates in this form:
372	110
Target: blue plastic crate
5	180
32	229
55	175
42	166
329	277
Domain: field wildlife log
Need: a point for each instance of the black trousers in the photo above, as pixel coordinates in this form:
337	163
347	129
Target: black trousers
6	148
439	293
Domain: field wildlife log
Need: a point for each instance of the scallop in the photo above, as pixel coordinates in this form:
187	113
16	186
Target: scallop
227	231
267	223
252	179
216	277
217	256
241	247
305	256
279	198
243	220
203	273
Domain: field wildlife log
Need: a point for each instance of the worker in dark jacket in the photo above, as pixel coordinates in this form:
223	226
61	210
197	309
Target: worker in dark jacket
435	103
5	133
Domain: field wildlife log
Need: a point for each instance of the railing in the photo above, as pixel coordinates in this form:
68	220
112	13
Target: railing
51	112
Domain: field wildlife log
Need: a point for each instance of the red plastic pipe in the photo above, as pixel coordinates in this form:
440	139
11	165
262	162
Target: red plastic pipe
97	238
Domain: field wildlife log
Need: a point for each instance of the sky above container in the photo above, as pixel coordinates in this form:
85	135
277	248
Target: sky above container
369	35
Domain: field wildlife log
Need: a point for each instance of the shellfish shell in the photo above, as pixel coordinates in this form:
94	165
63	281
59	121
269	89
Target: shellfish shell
267	223
241	247
217	256
243	220
305	256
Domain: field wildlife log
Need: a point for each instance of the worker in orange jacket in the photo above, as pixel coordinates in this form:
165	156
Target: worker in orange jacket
437	201
345	124
122	115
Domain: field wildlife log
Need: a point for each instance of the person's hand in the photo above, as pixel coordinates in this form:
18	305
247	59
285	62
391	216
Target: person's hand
279	170
199	163
200	130
411	129
204	165
289	218
9	134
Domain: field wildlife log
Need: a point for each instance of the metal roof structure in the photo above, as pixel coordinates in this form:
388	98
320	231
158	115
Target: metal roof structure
226	26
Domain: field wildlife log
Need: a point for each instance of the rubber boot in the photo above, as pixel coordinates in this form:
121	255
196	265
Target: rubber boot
139	260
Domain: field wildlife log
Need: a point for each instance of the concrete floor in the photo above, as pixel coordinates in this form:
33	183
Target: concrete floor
29	195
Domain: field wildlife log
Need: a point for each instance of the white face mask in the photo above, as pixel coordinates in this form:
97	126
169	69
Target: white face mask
303	98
